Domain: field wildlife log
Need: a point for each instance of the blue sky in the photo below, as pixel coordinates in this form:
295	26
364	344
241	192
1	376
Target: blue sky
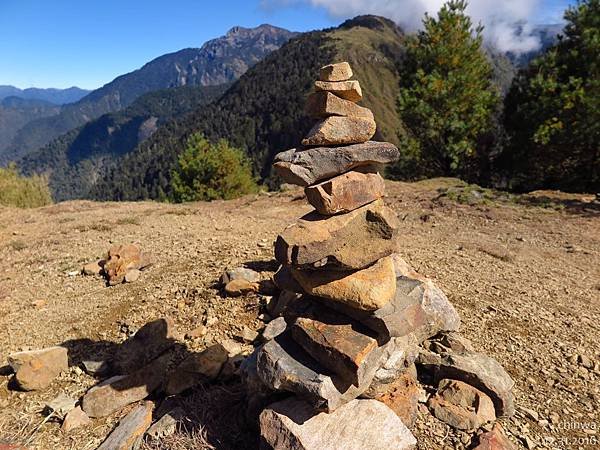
61	43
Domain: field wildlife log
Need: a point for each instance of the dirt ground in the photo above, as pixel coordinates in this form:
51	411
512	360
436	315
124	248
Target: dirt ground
524	274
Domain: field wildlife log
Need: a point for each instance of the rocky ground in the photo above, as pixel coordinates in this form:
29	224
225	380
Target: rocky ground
523	273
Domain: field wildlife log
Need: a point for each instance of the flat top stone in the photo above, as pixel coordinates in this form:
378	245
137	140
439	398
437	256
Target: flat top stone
358	425
345	242
283	365
345	192
349	90
367	289
335	72
306	166
336	345
323	104
336	130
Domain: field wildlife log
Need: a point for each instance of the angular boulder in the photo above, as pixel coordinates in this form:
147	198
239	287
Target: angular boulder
461	406
401	396
348	90
130	429
335	72
238	273
304	167
36	369
345	192
293	425
336	130
197	368
346	242
116	392
146	344
283	365
337	347
74	419
418	308
367	289
324	104
483	373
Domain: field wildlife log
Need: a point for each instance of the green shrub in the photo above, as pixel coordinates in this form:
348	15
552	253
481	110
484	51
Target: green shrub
208	171
23	192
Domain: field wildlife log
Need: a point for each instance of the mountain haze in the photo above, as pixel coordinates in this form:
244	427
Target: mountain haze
218	61
51	95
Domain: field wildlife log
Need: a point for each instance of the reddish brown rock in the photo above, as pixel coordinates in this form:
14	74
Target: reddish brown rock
119	260
345	242
335	72
401	396
239	286
324	104
335	130
337	346
130	429
367	289
36	369
461	406
348	90
74	419
345	193
483	373
494	440
117	392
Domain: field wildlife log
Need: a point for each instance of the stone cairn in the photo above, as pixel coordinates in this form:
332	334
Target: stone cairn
355	316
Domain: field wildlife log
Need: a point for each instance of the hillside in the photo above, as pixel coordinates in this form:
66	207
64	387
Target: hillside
218	61
16	112
78	158
50	95
263	112
524	279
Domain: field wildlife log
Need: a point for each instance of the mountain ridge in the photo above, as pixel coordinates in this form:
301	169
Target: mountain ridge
220	60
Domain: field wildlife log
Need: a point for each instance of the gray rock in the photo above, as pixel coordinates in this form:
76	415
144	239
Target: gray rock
167	424
61	405
96	368
361	424
283	365
240	273
307	166
273	329
399	353
130	429
483	373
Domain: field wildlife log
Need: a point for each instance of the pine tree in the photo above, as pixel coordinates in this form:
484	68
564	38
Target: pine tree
553	111
208	171
447	98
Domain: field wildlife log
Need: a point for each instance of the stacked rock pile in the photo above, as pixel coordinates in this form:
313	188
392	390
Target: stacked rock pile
358	314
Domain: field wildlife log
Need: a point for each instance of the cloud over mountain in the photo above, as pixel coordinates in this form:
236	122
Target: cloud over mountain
506	21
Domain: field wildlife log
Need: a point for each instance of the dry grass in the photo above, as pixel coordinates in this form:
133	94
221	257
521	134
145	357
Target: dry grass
215	420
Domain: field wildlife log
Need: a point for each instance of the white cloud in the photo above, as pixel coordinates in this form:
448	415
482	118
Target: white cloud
503	19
